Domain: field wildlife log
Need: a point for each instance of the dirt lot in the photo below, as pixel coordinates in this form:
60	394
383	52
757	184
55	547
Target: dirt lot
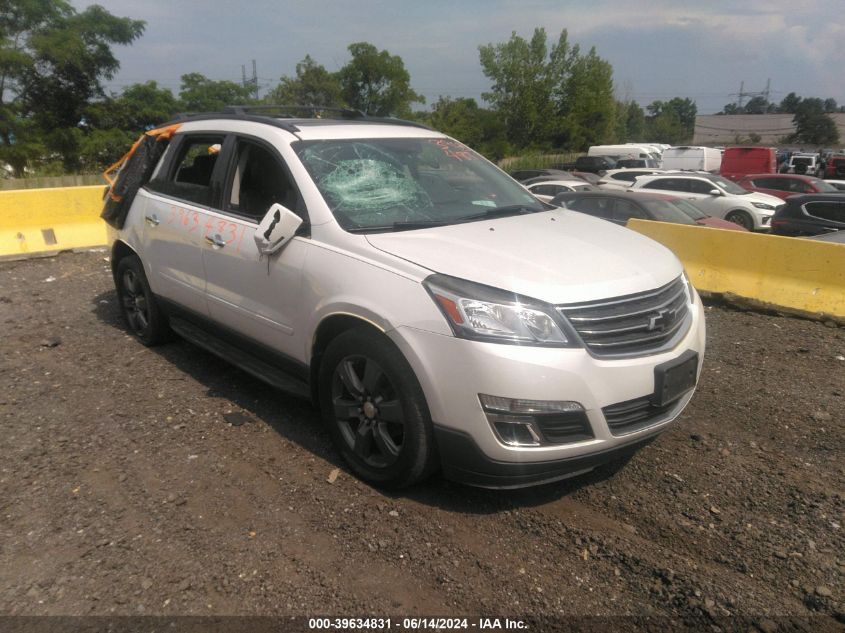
124	490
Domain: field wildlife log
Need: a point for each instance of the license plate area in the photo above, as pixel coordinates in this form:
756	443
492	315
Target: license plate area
675	378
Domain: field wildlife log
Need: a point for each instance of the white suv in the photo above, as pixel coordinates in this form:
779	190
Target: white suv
437	313
717	196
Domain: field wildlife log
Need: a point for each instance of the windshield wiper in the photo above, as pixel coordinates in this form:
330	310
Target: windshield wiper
410	225
400	226
500	212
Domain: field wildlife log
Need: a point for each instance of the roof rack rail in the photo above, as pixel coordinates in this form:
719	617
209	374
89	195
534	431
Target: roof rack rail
346	113
270	115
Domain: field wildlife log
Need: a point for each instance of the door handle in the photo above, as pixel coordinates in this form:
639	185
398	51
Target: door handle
152	220
216	241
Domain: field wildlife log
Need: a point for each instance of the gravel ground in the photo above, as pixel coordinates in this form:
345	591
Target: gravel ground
125	489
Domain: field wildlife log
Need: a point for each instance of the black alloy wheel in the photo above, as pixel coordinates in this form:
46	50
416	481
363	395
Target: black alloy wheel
374	408
134	302
367	411
741	218
137	303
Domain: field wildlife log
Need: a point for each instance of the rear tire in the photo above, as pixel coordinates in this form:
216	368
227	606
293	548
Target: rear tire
142	314
742	218
375	410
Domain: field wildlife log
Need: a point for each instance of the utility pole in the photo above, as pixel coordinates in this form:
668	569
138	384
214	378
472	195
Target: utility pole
742	94
250	84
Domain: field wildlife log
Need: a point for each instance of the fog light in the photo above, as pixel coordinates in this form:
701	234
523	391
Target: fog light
519	422
514	430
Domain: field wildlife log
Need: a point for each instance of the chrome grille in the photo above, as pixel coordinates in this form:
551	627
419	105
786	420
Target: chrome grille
633	325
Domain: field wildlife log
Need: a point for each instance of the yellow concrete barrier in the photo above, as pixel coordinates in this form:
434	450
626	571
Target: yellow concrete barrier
43	221
789	274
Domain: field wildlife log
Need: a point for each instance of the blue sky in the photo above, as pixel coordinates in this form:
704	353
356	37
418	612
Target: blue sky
659	49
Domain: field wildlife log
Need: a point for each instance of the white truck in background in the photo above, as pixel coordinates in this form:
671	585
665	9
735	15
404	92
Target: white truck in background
690	158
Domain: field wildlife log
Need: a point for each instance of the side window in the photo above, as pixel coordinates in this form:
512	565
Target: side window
189	177
624	210
258	181
668	184
544	190
834	211
627	176
701	186
769	183
598	207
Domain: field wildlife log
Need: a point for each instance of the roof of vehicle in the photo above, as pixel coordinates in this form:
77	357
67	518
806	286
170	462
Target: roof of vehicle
569	182
607	193
341	123
652	170
816	197
801	177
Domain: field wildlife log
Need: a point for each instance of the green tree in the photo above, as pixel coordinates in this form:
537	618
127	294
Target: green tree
587	102
312	86
477	127
376	82
139	107
671	121
459	118
790	103
52	62
198	93
528	83
634	122
812	125
756	105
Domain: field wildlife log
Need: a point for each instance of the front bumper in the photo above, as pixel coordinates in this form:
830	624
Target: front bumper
453	372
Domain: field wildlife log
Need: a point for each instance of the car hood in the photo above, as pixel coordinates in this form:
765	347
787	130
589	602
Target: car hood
756	196
554	256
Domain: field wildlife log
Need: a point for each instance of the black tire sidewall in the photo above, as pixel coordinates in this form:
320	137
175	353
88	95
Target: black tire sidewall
417	457
747	223
157	329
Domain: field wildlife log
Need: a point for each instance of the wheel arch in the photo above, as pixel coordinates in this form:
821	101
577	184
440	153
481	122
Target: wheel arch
330	328
120	250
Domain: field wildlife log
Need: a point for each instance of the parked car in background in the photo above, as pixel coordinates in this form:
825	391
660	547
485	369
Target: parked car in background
591	164
547	189
621	206
527	174
628	151
804	164
837	184
785	185
810	215
741	161
717	196
835	166
697	215
692	158
622	179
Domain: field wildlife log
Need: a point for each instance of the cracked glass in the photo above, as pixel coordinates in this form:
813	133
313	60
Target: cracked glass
407	183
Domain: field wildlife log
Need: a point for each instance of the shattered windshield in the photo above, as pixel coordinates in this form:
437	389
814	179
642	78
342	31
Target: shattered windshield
407	183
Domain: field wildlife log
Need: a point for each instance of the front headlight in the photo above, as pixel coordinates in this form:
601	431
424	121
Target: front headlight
479	312
764	205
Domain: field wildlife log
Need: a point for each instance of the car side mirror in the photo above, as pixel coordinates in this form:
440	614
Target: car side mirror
715	192
276	229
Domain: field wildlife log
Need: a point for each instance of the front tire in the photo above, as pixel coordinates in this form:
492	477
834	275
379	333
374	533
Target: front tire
375	410
137	303
742	218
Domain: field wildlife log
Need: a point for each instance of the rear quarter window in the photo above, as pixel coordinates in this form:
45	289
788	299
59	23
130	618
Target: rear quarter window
834	211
